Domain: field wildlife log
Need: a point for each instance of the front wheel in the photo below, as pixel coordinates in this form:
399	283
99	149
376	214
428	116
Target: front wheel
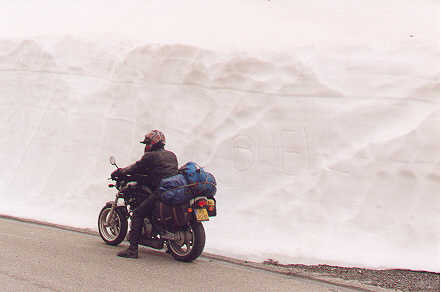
190	244
115	232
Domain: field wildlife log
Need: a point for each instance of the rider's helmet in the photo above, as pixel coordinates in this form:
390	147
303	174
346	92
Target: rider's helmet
153	140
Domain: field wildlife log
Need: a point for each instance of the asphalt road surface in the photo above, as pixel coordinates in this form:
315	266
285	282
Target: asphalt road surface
40	258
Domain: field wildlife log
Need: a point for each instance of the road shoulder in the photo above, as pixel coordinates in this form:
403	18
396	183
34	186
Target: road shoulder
346	277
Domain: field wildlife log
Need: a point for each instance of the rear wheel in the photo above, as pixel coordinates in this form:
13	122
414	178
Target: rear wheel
190	244
115	232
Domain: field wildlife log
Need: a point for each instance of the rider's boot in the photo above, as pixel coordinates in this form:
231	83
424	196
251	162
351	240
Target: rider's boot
131	252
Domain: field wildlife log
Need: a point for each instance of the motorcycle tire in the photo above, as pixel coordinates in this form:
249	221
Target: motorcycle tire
114	234
197	243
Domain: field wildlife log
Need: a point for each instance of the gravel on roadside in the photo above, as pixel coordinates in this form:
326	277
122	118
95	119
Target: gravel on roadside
402	280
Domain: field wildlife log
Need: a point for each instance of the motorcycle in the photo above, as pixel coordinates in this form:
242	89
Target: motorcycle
178	228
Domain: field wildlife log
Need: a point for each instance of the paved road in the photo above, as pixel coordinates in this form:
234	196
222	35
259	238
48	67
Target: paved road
40	258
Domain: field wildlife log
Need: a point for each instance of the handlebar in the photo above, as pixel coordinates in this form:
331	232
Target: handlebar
123	179
129	177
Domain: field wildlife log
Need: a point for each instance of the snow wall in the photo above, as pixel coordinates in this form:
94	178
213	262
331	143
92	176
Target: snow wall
321	156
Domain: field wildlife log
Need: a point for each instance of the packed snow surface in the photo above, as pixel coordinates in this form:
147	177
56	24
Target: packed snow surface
323	154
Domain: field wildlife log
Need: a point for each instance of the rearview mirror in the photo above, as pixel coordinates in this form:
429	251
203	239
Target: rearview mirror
112	160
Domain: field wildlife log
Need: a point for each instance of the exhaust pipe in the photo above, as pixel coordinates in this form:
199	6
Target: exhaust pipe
154	243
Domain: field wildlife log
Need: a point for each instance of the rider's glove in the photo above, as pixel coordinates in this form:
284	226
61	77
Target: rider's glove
115	174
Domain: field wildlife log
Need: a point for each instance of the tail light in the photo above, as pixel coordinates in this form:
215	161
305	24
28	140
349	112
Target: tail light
202	203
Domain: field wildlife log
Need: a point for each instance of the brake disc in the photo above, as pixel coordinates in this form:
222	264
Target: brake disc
180	238
188	236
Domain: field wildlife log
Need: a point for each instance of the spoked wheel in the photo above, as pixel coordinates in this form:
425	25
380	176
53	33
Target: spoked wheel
190	243
116	231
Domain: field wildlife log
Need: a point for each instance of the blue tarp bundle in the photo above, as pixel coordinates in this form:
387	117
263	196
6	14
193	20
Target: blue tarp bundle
192	181
174	190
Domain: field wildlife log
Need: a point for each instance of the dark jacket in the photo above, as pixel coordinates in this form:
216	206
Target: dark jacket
156	165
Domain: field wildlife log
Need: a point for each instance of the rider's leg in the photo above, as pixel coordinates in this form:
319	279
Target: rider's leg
143	210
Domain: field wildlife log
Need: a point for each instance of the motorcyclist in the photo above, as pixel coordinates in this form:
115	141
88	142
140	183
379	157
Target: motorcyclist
156	163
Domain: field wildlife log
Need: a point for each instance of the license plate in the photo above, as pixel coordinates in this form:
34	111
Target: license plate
201	214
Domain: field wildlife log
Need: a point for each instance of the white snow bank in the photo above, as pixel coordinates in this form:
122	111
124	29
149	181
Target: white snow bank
320	156
229	24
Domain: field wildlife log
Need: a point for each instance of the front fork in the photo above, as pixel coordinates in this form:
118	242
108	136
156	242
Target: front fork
112	211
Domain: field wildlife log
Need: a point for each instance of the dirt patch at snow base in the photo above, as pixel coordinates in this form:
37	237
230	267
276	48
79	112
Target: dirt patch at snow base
396	279
348	277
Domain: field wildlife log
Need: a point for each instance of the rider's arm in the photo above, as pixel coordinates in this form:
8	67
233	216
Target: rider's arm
141	165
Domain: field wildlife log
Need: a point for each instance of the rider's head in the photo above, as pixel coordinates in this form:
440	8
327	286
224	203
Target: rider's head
153	141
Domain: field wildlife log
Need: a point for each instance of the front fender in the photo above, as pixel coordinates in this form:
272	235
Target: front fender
122	208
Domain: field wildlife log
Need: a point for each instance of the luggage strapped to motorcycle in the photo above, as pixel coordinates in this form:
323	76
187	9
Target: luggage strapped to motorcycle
172	194
191	185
